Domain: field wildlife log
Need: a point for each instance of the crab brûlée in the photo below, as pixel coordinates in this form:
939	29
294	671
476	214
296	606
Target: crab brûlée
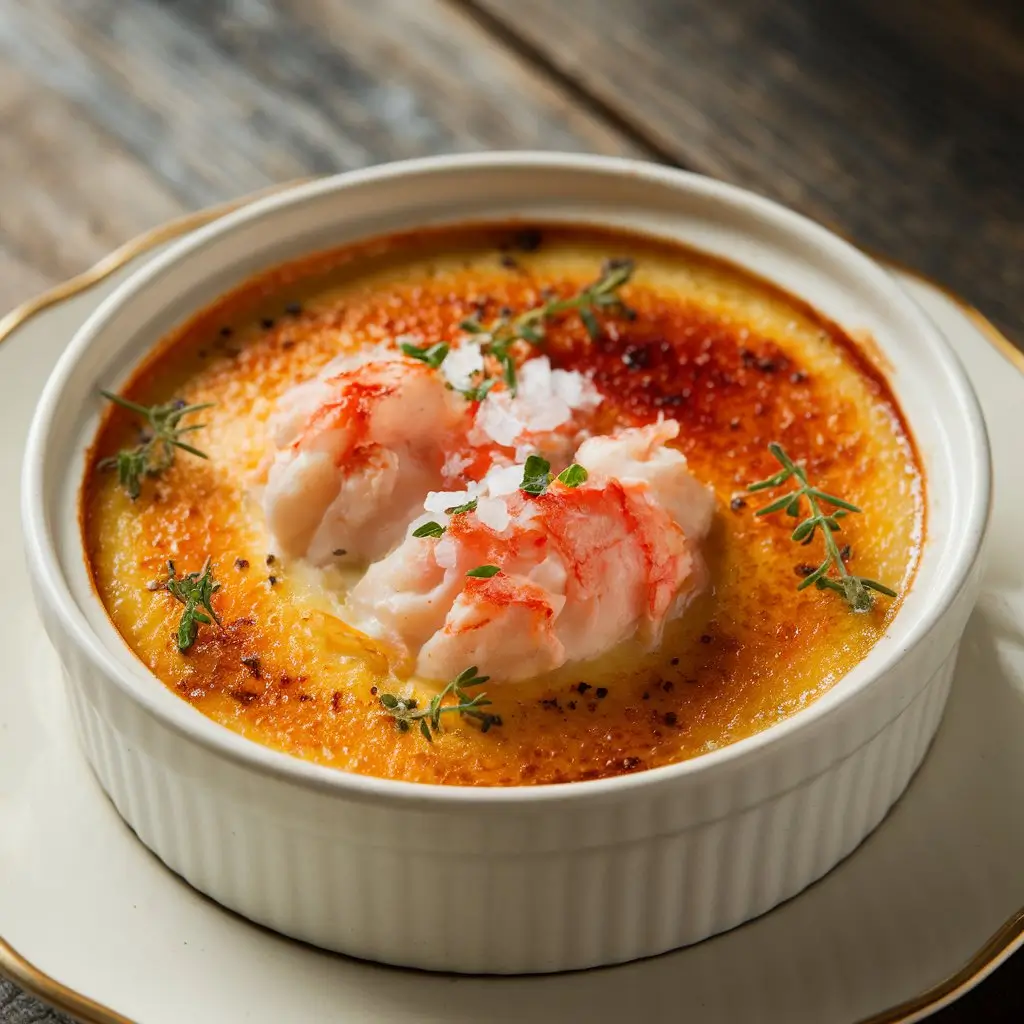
473	506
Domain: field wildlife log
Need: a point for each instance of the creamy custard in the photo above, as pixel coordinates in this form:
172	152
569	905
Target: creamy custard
735	361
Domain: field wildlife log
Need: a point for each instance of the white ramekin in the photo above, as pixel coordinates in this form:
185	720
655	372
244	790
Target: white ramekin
525	879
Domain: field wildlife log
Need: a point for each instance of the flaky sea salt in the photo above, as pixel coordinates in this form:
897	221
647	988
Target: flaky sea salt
577	391
438	501
461	363
455	464
546	400
502	480
445	554
496	420
492	512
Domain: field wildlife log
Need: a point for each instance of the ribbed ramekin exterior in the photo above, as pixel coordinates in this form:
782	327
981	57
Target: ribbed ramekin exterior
537	888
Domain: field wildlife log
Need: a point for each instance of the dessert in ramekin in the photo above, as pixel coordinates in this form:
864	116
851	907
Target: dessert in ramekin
430	617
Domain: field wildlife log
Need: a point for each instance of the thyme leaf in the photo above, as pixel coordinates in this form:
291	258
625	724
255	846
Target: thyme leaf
457	510
479	392
536	475
430	529
163	436
433	529
573	476
832	573
432	355
484	572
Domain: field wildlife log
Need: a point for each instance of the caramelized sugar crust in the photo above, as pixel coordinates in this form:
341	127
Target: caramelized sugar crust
737	362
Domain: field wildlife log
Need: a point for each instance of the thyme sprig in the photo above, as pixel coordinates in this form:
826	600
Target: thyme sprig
195	591
856	590
497	337
155	453
406	712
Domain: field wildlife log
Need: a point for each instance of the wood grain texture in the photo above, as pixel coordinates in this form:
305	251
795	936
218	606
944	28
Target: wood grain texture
118	115
898	123
403	77
68	192
220	99
978	43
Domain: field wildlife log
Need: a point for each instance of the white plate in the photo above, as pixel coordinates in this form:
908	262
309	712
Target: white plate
908	922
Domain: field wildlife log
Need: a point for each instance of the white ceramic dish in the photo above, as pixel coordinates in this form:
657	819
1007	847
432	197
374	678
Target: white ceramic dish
94	924
578	875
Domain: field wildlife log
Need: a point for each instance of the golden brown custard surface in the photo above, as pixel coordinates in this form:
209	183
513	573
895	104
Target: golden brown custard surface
734	360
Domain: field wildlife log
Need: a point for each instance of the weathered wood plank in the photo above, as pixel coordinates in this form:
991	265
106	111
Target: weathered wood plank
219	100
68	193
978	43
827	107
116	116
408	77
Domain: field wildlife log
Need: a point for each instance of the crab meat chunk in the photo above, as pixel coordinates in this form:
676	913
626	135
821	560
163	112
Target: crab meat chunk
354	454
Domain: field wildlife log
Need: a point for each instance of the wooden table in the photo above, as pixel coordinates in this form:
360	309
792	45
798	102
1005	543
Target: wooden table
898	122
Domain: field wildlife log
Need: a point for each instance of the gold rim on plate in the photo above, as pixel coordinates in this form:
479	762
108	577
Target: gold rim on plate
36	982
